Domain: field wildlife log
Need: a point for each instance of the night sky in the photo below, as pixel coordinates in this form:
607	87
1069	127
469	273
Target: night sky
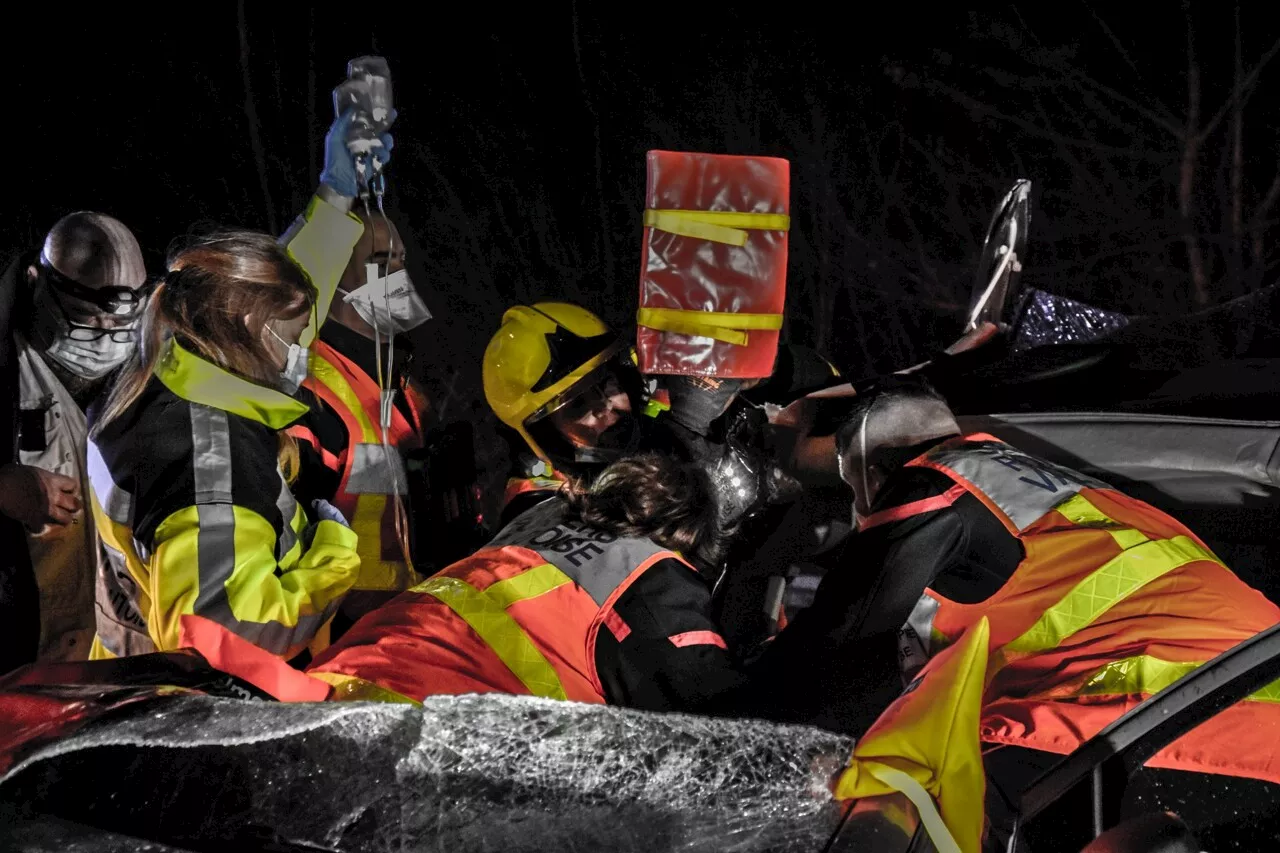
518	172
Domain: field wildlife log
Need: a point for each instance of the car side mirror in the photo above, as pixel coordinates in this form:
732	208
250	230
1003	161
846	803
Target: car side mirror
1150	833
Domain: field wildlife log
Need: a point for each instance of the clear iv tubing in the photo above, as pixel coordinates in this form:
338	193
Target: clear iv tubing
385	402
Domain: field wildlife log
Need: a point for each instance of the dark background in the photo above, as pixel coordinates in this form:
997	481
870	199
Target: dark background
518	172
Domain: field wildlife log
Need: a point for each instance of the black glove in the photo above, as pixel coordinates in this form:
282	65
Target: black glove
696	401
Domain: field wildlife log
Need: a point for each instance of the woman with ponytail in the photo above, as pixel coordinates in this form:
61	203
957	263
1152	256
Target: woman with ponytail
190	467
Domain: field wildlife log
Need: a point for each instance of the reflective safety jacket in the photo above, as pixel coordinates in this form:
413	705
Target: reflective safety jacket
197	518
320	241
1111	601
524	492
369	473
550	608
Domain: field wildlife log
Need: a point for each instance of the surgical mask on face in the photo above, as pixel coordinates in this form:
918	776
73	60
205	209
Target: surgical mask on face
89	359
82	351
390	304
295	366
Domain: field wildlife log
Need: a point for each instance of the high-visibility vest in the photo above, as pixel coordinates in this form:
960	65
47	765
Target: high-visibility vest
372	473
520	616
1113	601
517	486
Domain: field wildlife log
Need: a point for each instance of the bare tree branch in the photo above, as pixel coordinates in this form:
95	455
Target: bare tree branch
313	149
1166	122
603	237
974	105
1260	214
1237	162
1241	91
1187	172
251	114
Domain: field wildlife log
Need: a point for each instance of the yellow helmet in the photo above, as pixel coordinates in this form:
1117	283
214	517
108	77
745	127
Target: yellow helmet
536	358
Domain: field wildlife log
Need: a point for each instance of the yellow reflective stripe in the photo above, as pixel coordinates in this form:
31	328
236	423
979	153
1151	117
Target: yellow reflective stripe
724	326
1115	581
718	226
1147	675
528	584
488	618
1082	513
348	688
331	378
934	825
192	378
320	242
375	572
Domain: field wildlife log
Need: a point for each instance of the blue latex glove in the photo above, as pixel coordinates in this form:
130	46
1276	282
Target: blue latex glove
326	511
340	173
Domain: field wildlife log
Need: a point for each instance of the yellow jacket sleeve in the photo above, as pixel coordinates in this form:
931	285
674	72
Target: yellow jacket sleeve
320	241
218	560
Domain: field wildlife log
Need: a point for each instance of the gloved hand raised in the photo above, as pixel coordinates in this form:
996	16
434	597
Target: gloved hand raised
696	401
340	170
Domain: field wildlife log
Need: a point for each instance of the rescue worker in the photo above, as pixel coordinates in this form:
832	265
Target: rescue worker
347	461
567	386
1095	600
262	582
190	471
592	596
68	314
569	389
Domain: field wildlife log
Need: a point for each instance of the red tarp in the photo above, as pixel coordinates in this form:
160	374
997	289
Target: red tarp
714	274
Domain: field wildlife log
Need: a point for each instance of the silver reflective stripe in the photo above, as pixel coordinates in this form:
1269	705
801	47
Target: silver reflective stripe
211	451
288	506
115	501
272	636
376	469
597	561
914	639
1023	487
211	441
216	546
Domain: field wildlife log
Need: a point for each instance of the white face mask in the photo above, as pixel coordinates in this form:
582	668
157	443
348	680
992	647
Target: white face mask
85	359
390	304
295	366
89	359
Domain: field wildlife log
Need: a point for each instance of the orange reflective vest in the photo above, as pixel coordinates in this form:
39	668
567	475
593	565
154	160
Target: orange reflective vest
520	616
372	473
1113	601
517	486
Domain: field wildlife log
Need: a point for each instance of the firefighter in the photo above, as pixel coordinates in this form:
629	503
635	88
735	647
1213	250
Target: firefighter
569	389
1095	600
594	595
350	457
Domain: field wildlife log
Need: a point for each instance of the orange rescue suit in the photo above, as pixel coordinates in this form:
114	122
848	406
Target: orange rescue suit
372	473
520	616
1113	601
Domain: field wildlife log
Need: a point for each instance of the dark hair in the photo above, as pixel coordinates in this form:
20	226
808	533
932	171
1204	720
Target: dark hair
655	497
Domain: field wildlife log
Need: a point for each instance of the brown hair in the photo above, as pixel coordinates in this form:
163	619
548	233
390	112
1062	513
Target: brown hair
656	497
212	283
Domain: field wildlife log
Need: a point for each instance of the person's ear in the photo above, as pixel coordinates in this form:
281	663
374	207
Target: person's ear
878	476
32	274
